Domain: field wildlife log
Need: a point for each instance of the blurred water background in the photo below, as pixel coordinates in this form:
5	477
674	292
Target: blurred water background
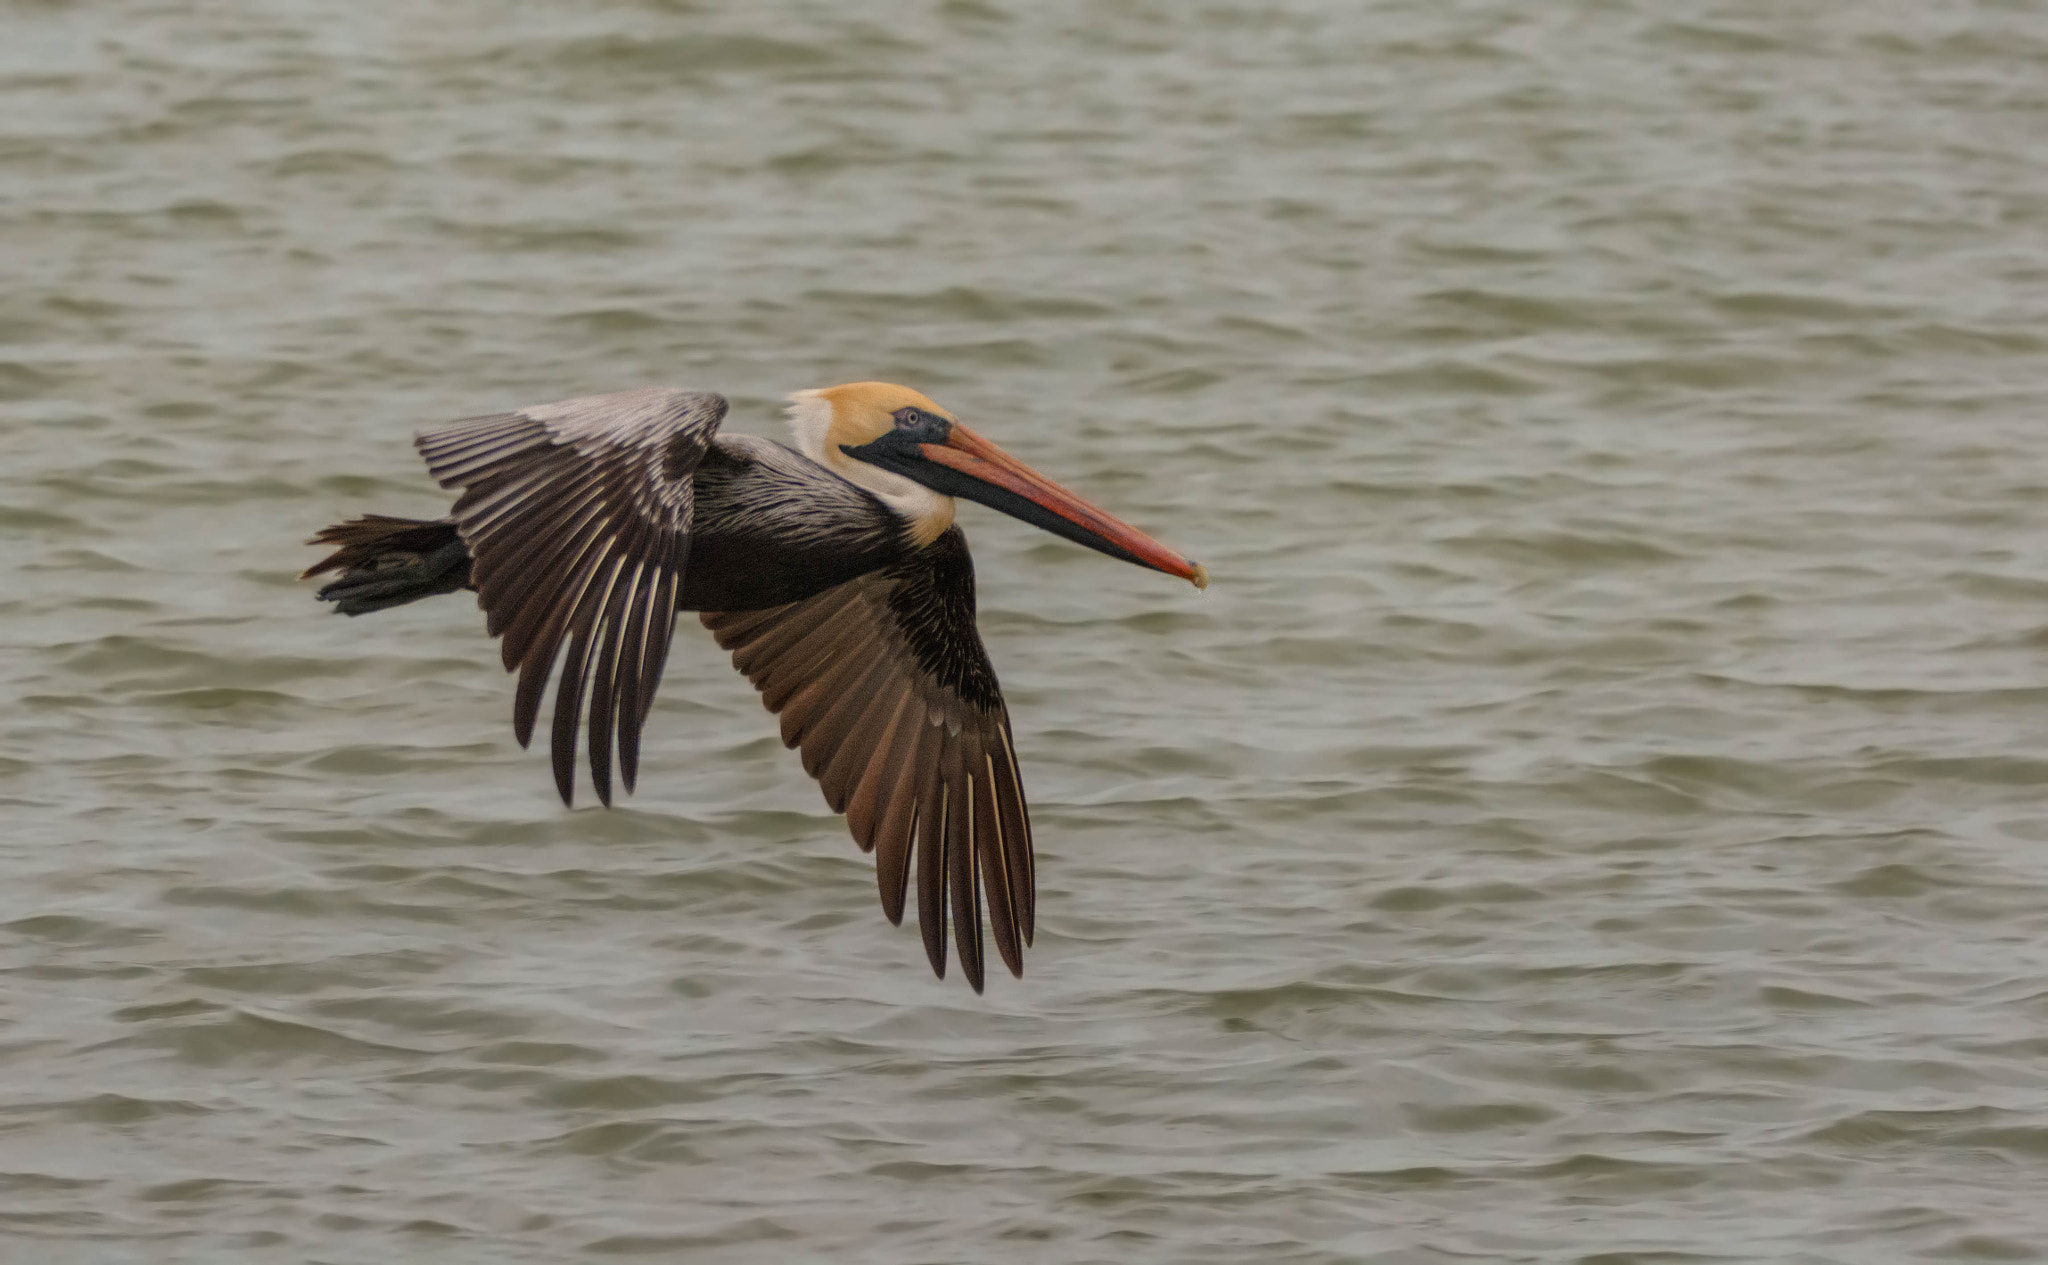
1597	814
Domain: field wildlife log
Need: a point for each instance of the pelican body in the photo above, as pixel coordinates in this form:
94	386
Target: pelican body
832	571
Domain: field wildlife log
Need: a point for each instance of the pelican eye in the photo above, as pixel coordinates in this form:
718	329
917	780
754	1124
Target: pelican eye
922	426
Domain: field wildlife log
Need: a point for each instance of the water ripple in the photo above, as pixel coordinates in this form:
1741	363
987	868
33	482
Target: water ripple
1593	816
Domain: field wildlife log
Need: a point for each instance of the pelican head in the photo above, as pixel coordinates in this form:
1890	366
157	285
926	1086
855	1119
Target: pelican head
916	456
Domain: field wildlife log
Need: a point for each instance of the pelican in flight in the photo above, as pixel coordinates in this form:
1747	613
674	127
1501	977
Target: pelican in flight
833	572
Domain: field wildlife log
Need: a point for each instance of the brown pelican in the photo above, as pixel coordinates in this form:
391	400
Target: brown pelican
832	572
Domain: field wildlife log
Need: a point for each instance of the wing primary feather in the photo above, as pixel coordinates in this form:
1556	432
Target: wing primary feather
883	686
730	628
805	668
538	656
657	629
626	610
764	649
528	619
865	806
533	682
961	865
840	686
520	599
1023	856
834	712
653	616
1016	826
569	692
490	429
931	873
896	838
528	485
632	648
604	685
458	449
502	501
575	677
995	866
577	515
777	658
640	554
663	623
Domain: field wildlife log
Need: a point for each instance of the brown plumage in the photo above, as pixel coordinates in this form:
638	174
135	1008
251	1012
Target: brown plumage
834	575
847	672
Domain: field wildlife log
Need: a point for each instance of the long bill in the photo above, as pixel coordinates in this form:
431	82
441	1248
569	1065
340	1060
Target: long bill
982	472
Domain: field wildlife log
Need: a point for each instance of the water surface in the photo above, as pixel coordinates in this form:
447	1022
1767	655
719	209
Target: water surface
1596	815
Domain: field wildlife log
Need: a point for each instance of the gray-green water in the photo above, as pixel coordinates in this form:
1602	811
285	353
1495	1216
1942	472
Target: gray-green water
1599	813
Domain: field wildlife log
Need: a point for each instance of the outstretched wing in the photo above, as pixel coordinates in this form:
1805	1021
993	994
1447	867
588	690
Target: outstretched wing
577	519
884	686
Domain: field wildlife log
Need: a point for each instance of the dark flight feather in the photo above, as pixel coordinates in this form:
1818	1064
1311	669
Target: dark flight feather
577	520
884	687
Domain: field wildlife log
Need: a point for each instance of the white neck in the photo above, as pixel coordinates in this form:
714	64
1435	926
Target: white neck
927	512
